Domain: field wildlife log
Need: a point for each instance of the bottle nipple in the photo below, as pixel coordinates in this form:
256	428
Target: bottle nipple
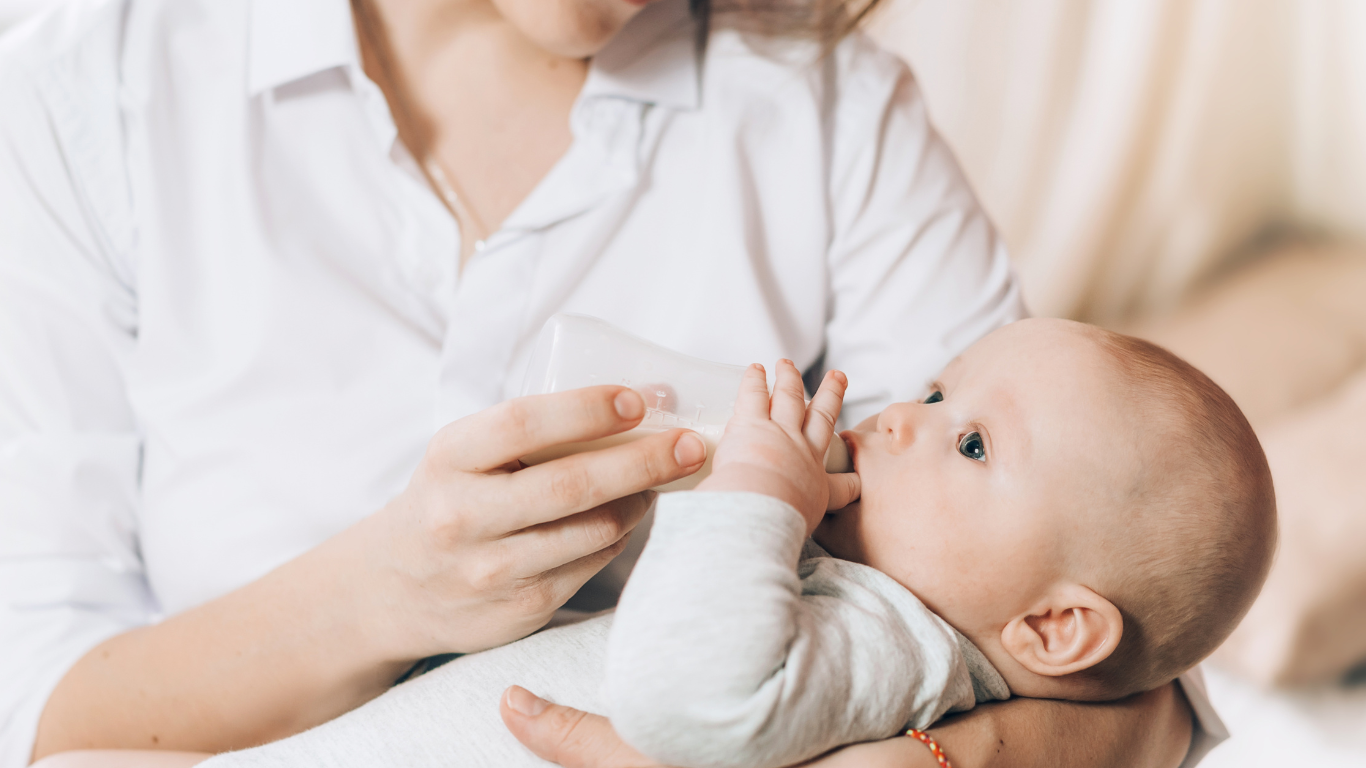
837	456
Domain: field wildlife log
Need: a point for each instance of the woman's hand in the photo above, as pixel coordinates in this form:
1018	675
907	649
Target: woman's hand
566	736
1148	730
776	445
479	550
575	739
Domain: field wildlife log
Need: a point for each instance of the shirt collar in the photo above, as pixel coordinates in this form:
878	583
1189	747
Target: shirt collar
654	59
292	39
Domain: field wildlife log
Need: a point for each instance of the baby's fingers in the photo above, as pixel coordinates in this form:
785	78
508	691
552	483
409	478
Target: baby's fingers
752	400
789	402
845	489
824	411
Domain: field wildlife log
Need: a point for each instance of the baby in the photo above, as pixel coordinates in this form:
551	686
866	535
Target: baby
1070	514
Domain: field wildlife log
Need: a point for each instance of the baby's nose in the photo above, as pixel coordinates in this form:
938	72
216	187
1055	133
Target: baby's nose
899	422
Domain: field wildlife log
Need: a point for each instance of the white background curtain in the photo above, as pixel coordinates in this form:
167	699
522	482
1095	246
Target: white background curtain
1128	148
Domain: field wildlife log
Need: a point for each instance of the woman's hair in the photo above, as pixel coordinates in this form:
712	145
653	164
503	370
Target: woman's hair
825	21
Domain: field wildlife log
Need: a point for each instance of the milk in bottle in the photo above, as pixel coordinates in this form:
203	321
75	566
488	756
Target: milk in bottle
575	351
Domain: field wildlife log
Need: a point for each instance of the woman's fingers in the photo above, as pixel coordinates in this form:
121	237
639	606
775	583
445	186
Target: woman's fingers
578	540
824	411
788	408
556	585
583	481
566	736
510	430
845	488
752	400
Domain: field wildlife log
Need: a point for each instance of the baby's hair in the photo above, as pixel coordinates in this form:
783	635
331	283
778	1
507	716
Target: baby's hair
1204	523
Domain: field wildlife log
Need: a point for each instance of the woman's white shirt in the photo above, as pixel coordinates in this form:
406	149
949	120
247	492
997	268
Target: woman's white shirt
231	313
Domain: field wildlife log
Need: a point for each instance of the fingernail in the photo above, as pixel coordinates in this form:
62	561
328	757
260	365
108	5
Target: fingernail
628	404
689	450
526	702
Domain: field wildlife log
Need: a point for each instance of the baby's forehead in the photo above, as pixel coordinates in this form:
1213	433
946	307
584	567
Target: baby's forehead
1051	357
1055	378
1071	399
1117	413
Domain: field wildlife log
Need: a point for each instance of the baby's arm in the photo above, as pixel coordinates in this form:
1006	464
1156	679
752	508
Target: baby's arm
716	657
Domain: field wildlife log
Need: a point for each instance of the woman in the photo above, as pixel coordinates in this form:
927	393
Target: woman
254	254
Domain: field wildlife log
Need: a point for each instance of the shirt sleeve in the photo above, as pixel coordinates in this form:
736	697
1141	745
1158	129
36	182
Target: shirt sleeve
70	573
719	656
917	271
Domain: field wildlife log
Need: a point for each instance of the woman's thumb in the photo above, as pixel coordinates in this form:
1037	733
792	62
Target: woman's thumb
565	735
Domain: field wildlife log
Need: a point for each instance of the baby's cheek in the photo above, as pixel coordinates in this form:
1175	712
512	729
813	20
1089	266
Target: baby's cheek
928	556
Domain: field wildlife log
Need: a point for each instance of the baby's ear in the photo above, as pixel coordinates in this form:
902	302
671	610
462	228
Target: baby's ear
1072	628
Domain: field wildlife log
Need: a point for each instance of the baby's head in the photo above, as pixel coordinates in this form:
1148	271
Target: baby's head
1091	511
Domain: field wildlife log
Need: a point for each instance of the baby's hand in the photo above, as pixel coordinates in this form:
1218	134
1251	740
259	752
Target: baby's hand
777	446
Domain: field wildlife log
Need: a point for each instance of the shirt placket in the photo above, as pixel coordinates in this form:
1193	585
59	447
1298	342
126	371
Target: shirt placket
488	306
426	235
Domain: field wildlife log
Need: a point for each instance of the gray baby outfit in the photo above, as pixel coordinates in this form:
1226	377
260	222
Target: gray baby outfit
736	643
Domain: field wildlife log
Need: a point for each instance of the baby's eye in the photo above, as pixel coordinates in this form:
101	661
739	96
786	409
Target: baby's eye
971	445
934	397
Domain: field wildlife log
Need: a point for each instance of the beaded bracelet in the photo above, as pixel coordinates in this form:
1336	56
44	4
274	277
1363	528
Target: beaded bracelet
935	749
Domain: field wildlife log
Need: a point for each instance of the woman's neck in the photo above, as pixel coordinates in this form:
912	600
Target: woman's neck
435	41
472	93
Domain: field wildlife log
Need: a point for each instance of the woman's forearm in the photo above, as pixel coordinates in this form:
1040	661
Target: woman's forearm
1149	730
273	658
467	557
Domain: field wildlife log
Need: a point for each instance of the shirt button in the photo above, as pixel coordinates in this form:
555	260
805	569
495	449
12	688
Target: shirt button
480	245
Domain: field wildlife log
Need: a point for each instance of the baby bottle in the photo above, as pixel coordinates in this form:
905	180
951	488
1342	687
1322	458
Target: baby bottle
575	351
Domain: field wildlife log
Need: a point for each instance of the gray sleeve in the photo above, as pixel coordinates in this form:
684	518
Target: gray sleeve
720	655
